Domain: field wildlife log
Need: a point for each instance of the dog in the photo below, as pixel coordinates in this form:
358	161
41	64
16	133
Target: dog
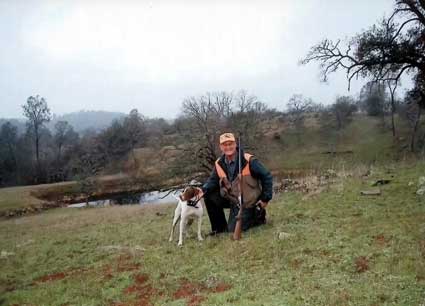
188	208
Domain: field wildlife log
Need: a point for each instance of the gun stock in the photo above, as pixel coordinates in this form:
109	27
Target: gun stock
237	234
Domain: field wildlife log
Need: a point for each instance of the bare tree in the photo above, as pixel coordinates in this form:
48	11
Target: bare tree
209	114
8	143
135	129
373	98
64	134
384	52
38	113
246	117
343	110
298	107
9	139
114	141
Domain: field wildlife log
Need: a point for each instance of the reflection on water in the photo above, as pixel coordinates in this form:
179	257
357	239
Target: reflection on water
153	197
159	197
100	203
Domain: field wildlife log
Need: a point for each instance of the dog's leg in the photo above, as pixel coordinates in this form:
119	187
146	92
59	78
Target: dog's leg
177	214
199	228
173	226
183	221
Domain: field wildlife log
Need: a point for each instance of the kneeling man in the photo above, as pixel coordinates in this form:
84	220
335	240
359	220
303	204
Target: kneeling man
221	189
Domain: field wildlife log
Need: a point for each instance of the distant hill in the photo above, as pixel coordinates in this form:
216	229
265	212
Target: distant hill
81	121
84	120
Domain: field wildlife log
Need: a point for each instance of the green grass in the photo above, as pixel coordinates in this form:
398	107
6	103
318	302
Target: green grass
17	197
316	265
52	195
369	142
12	198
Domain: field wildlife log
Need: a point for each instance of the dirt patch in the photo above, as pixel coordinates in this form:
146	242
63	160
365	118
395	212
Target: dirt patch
8	286
188	289
361	264
196	300
381	240
296	263
142	289
221	287
128	267
50	277
108	275
194	292
125	264
420	278
141	278
62	275
422	247
191	292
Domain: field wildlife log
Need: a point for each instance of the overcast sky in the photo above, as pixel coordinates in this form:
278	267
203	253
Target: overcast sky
150	55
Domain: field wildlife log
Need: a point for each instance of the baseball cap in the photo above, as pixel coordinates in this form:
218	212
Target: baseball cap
227	137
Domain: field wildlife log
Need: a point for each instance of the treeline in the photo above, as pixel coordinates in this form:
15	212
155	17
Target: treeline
40	155
390	49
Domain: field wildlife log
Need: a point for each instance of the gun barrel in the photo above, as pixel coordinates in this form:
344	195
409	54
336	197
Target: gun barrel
237	234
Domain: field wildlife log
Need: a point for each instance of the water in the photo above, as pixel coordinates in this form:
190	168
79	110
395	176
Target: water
159	197
98	203
152	197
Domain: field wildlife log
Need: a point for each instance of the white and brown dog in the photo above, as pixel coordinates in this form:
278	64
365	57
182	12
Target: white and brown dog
188	208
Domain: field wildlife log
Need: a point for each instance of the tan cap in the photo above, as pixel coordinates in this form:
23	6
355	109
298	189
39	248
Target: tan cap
227	137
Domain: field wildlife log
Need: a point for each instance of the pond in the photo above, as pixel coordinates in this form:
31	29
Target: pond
152	197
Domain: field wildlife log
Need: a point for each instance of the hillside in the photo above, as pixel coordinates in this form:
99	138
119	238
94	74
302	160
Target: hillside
332	246
362	142
80	121
83	120
287	151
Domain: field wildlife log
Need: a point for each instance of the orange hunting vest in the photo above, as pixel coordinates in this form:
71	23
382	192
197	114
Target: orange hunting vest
251	186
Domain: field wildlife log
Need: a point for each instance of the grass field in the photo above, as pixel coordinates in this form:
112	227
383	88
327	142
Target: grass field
363	140
341	249
54	195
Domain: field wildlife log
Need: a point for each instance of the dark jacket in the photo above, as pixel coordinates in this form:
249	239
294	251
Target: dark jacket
258	171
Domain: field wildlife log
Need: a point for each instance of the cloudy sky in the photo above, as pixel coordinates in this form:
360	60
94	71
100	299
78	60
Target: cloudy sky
150	55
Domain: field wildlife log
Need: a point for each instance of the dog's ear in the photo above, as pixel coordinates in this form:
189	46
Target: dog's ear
192	192
183	195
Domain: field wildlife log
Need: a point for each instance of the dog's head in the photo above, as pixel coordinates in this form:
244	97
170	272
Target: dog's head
189	193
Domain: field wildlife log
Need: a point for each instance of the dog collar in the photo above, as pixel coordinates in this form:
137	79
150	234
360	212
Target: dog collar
193	203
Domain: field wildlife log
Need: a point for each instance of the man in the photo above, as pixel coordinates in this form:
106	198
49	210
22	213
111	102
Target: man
220	190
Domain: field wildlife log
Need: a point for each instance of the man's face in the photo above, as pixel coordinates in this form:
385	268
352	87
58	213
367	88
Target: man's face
228	148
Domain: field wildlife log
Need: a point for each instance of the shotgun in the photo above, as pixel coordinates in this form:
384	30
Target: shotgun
238	227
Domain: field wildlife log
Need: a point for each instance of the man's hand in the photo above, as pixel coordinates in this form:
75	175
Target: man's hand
263	204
